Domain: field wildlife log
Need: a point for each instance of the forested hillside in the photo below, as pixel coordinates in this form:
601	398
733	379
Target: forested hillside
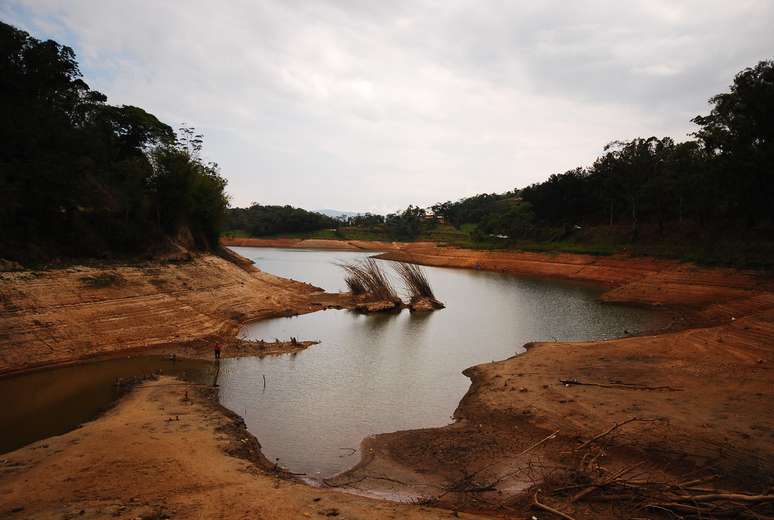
712	190
82	178
258	220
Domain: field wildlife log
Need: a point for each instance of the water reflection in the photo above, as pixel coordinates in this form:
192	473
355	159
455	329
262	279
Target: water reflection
396	371
53	401
371	374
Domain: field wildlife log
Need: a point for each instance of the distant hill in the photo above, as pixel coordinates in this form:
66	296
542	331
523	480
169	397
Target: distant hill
334	213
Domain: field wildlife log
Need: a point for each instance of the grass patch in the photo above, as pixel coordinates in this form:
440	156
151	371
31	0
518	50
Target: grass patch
103	280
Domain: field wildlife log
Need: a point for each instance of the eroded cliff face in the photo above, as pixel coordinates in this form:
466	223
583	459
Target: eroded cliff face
60	315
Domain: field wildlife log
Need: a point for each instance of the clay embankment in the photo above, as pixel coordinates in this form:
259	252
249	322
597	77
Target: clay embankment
62	315
168	451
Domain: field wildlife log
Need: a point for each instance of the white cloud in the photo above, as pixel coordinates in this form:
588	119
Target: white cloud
375	105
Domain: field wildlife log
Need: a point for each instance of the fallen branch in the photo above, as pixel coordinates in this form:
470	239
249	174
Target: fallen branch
624	386
607	481
607	432
731	497
550	509
694	482
523	452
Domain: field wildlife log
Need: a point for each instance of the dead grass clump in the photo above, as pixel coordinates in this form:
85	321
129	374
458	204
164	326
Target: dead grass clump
355	285
367	278
415	281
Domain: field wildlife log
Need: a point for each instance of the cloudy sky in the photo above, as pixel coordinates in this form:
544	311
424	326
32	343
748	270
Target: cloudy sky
372	105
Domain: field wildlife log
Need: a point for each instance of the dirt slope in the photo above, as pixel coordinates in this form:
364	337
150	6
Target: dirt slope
59	315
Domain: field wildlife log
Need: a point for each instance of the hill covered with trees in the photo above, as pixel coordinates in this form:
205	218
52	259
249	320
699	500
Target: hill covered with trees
712	192
706	198
82	178
258	220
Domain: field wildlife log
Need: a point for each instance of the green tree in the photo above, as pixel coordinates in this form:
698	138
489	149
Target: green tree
739	133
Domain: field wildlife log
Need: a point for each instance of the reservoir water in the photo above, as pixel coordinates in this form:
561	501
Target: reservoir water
370	374
386	372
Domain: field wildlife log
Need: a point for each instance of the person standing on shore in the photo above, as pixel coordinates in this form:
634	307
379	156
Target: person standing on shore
217	349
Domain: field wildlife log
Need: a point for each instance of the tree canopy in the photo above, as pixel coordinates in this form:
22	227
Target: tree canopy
82	178
258	220
725	177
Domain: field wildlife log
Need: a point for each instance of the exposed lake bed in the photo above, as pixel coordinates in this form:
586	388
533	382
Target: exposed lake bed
371	373
522	392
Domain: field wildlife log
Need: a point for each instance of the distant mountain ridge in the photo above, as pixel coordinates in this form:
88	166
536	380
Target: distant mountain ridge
334	213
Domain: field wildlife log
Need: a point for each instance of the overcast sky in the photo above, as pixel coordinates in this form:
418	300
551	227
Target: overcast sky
373	105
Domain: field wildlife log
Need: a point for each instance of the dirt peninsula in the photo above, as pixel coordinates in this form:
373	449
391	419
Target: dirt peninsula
68	314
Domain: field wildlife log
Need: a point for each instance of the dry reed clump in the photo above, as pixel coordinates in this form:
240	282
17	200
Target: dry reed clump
367	278
420	293
415	281
355	285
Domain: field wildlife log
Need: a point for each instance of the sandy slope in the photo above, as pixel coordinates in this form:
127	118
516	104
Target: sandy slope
59	315
157	455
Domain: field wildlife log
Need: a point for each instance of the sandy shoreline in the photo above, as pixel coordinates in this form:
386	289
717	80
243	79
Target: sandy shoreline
168	450
696	398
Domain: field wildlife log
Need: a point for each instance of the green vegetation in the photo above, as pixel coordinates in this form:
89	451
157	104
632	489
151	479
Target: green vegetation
81	178
260	220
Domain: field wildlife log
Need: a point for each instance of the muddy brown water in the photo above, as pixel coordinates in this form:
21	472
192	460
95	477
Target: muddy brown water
370	374
52	401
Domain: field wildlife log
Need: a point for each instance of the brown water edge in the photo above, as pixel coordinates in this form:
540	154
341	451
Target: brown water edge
694	401
169	450
55	399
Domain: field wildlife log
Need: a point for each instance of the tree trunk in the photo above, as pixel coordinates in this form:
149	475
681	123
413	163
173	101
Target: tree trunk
611	213
635	225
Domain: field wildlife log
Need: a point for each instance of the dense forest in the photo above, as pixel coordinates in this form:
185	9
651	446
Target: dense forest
258	220
82	178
